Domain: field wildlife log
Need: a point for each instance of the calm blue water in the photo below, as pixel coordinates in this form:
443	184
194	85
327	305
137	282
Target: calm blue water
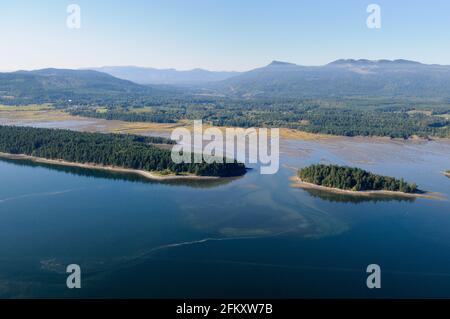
250	237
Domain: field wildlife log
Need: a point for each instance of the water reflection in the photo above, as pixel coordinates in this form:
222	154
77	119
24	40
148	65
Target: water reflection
355	199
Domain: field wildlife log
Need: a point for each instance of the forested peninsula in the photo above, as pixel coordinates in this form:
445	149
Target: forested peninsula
123	151
353	179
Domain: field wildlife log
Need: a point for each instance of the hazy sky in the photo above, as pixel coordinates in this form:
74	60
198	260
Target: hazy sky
218	34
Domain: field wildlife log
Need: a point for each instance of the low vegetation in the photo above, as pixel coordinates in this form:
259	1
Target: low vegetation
31	107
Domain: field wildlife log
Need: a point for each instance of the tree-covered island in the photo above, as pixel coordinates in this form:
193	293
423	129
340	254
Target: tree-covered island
116	150
352	179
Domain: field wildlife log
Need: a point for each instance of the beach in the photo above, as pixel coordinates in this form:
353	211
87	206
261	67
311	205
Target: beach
301	184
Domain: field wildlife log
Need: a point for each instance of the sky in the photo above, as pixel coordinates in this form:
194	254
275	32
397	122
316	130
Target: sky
218	34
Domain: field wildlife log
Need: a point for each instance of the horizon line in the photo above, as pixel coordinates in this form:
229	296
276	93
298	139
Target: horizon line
212	70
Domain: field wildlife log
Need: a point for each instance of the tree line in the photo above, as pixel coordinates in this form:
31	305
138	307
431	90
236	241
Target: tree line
352	178
347	117
122	150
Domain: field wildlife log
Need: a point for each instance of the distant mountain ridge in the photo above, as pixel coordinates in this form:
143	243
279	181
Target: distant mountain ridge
144	75
338	79
345	77
374	62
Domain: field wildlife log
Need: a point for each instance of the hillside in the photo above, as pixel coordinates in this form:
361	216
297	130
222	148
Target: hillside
60	85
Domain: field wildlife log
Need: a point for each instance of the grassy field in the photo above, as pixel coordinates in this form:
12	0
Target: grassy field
46	113
101	110
25	108
32	112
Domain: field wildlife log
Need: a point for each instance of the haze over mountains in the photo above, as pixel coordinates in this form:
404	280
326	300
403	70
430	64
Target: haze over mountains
341	78
165	76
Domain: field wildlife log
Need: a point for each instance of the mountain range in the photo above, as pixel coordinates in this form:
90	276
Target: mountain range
341	78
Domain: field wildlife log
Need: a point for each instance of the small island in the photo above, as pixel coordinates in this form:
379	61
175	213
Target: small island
354	181
142	155
447	173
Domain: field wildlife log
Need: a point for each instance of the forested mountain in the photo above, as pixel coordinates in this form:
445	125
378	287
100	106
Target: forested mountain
165	76
122	150
341	78
59	85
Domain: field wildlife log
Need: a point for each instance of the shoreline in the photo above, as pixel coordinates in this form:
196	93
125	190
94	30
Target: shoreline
146	174
298	183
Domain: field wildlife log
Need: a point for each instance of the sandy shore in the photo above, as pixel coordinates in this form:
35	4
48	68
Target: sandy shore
301	184
146	174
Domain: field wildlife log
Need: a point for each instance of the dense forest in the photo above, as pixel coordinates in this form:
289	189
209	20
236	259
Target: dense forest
352	178
347	117
122	150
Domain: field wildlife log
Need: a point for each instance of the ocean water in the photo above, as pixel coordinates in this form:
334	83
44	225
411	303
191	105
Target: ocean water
254	236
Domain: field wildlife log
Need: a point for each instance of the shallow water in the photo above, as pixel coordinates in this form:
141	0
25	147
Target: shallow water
253	236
